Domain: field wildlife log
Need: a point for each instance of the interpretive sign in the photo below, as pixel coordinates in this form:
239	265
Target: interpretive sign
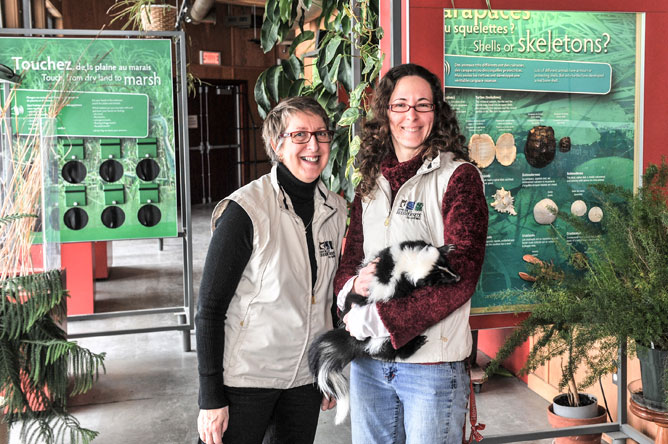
549	104
111	101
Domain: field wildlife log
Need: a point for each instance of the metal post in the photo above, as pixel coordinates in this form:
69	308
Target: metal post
395	32
237	117
200	122
207	145
621	385
27	15
356	67
186	207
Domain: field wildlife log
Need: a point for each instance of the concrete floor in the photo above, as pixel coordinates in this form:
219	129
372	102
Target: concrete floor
149	391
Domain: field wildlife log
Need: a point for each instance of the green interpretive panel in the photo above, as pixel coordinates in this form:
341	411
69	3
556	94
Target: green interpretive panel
548	102
115	158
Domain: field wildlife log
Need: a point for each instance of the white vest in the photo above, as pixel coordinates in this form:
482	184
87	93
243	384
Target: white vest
416	215
274	314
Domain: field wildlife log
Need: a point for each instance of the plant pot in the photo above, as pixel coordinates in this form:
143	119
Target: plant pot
158	17
557	421
653	367
588	407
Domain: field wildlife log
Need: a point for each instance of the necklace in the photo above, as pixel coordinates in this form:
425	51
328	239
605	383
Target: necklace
309	223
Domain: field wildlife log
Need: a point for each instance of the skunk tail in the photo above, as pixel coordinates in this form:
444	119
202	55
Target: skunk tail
328	356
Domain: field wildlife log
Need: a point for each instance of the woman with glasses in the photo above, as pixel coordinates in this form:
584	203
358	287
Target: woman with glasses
417	183
267	286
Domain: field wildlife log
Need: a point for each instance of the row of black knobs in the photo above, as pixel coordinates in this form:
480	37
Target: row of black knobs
110	170
112	217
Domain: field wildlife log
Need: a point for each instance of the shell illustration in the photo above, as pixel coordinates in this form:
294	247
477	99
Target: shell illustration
565	144
543	211
503	202
482	150
541	146
506	151
595	214
579	208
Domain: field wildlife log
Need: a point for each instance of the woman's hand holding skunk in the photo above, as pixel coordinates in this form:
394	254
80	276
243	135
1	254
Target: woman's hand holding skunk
363	321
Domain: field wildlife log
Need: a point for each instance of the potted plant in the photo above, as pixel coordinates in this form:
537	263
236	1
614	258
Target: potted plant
347	34
39	367
613	289
146	15
627	273
561	321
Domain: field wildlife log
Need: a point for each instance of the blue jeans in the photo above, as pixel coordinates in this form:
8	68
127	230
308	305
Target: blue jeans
397	403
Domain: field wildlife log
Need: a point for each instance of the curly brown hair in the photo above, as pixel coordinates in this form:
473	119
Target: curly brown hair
377	139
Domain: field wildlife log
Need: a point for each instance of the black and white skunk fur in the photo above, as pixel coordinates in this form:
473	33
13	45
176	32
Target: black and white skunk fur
400	269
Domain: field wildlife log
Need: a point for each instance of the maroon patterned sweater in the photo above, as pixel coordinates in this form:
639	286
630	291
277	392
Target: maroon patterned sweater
464	211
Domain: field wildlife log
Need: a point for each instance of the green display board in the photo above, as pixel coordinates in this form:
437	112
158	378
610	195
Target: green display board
114	120
561	87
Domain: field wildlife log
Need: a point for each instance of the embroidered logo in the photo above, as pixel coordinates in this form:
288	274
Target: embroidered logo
327	249
410	209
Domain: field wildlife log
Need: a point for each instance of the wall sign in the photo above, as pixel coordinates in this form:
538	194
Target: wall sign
115	153
548	101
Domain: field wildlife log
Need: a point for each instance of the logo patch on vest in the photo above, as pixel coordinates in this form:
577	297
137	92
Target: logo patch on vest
410	209
327	249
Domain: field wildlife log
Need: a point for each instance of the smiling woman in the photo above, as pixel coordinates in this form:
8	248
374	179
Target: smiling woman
304	155
417	185
267	288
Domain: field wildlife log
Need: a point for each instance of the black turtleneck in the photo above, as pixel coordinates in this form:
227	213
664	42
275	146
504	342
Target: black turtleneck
228	254
301	195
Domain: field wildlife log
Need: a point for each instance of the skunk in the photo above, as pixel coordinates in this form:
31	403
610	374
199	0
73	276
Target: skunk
400	269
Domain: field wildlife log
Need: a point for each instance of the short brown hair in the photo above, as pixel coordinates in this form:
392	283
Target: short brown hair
279	117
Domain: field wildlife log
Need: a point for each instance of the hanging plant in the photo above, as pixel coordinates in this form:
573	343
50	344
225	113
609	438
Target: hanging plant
347	34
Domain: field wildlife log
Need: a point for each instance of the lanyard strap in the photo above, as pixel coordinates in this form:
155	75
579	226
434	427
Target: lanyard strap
473	414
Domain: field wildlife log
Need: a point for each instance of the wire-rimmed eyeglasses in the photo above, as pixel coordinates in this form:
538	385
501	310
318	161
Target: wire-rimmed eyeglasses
322	136
404	107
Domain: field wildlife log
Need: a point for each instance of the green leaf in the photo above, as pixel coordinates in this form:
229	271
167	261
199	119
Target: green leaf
268	35
303	37
283	30
327	10
261	97
346	25
292	67
273	75
284	85
355	146
270	10
286	9
323	73
332	49
334	69
296	88
349	117
345	73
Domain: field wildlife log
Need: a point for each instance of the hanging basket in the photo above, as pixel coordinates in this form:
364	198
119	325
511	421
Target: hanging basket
158	17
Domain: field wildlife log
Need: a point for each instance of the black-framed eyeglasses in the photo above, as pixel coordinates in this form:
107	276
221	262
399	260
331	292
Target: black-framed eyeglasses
322	136
404	107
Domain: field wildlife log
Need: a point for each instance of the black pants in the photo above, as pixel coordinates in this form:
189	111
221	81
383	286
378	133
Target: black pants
272	416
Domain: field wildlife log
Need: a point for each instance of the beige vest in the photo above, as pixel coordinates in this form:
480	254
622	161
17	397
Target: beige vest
416	215
274	315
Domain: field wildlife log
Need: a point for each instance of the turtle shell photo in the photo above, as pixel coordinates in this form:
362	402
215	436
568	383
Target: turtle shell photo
541	146
482	150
